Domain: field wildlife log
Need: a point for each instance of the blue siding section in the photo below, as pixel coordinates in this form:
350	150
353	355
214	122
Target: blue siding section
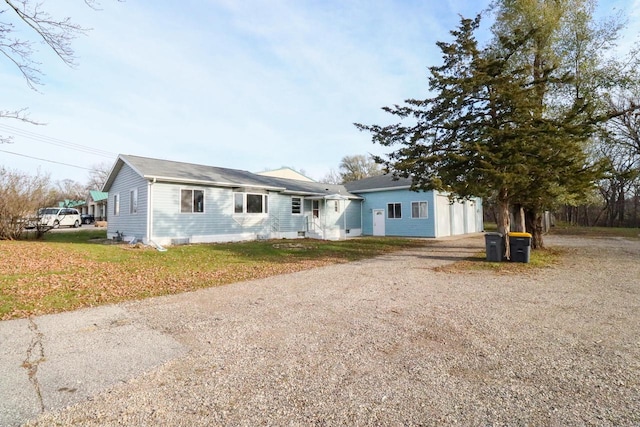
131	225
405	226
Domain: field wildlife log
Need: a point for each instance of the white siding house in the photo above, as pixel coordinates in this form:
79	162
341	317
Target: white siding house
165	202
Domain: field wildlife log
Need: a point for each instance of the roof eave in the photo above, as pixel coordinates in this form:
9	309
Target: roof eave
371	190
211	183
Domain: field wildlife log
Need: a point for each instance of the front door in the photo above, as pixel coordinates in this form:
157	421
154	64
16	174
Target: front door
315	208
378	222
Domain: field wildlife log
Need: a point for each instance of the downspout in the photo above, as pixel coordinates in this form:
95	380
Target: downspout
150	210
362	218
344	217
324	225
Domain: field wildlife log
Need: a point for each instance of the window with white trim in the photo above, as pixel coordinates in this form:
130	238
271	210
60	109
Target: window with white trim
296	205
191	201
419	210
250	203
394	210
133	201
116	204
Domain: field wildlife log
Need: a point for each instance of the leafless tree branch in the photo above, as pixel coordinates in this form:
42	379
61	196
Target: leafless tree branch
55	32
21	115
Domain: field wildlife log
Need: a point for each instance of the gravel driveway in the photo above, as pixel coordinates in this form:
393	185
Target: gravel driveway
390	341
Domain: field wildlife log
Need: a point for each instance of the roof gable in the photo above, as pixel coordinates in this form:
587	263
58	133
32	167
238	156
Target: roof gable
286	172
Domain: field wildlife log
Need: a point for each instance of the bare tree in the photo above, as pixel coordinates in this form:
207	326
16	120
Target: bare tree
619	147
68	189
23	25
98	176
20	197
353	168
625	127
332	177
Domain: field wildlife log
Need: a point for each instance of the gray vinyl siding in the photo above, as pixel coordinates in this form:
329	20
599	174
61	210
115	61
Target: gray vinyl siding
131	225
354	213
218	217
347	216
280	207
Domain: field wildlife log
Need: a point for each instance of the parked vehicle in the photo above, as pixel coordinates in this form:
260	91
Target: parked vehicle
87	219
29	223
57	217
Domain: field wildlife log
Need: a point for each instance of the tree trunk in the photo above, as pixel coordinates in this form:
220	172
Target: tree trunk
520	224
503	219
534	226
621	206
586	216
636	199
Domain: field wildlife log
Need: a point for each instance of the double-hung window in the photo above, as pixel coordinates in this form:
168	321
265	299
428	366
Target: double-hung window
418	209
296	205
250	203
133	201
191	201
394	210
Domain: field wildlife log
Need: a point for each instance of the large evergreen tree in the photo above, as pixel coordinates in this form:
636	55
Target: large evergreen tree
506	121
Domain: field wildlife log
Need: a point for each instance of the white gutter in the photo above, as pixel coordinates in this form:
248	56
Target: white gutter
206	182
369	190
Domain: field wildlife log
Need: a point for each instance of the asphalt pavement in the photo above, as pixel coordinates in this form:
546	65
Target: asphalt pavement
50	362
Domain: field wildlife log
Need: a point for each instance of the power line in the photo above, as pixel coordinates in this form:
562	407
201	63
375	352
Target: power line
58	142
45	160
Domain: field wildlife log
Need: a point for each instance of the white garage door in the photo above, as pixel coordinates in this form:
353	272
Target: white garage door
457	219
454	219
443	216
470	212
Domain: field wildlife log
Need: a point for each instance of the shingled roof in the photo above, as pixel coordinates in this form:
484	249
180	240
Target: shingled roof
190	173
378	183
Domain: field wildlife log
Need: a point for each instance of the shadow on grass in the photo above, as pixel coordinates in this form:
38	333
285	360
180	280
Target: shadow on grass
290	250
66	236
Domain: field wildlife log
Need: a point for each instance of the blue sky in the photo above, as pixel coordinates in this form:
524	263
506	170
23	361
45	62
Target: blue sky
249	85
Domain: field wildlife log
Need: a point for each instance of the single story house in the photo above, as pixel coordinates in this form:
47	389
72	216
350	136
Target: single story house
68	203
390	208
96	205
164	202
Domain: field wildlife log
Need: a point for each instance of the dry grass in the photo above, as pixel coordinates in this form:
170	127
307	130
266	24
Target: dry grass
542	258
68	272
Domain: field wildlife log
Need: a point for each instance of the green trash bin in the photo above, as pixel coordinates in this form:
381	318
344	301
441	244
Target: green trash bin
494	247
520	246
